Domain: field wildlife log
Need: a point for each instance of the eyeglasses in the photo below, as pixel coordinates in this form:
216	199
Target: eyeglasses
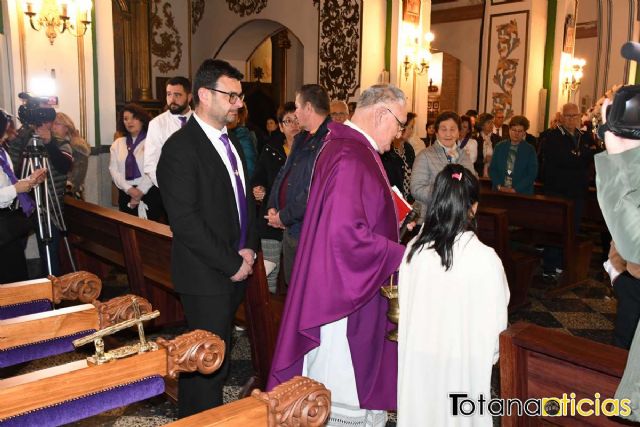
290	122
401	126
233	97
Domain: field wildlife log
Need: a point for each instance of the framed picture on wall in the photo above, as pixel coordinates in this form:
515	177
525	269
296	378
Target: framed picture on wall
506	71
569	34
411	11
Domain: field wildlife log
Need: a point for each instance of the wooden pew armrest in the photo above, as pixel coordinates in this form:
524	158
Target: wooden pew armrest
197	350
82	286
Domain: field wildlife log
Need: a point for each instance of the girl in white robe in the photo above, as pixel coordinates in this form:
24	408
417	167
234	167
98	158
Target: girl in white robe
453	298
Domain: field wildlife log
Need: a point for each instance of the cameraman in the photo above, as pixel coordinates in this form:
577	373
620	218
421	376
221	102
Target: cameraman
618	184
60	163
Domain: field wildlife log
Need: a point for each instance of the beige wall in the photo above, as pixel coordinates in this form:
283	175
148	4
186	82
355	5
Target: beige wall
461	39
218	22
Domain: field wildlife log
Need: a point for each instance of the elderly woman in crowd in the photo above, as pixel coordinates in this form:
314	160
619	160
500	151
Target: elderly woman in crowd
398	161
14	223
271	159
467	142
137	195
486	141
434	158
64	128
514	164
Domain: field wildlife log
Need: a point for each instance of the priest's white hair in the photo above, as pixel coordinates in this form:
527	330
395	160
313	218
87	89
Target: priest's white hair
381	94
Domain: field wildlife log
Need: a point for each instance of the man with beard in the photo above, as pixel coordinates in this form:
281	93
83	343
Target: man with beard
203	181
165	124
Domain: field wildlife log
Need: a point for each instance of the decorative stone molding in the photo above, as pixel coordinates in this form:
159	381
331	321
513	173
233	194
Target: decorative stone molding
339	47
119	309
165	38
197	350
300	401
82	286
246	7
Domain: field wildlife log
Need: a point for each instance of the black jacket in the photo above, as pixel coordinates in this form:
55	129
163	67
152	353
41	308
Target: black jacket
199	199
269	164
566	163
299	168
393	165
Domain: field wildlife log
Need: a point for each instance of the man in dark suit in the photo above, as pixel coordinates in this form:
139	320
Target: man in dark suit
203	180
500	128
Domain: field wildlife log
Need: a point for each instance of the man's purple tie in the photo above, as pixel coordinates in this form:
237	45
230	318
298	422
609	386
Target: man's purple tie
183	120
241	198
26	202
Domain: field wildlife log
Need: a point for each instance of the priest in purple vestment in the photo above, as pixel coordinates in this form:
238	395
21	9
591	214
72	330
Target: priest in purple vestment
334	322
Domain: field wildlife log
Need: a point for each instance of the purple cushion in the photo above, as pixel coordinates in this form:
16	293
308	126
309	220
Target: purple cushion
24	308
25	353
89	405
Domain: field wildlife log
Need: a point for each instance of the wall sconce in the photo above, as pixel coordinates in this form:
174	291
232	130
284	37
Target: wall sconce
58	16
573	77
416	57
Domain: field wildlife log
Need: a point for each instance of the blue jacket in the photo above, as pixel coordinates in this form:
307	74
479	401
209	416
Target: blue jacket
299	168
525	168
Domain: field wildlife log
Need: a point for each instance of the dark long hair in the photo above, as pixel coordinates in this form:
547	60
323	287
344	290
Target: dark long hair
455	191
138	112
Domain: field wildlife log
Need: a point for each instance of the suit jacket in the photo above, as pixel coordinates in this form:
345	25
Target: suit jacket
199	199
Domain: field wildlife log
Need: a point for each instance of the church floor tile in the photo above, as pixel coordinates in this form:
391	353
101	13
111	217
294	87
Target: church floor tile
574	321
566	305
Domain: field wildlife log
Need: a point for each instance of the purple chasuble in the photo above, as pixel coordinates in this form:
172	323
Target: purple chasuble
348	249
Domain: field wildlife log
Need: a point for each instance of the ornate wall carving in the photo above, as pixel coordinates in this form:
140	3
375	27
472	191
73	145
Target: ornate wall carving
339	47
165	38
246	7
197	12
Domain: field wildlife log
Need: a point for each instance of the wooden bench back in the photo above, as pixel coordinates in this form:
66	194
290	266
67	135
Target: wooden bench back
538	362
493	229
100	236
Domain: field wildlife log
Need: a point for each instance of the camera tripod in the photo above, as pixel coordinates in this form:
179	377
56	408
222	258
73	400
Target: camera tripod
48	209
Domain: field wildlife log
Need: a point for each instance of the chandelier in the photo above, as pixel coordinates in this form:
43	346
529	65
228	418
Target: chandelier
59	16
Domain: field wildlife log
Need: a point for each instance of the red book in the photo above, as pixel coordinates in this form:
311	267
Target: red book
402	206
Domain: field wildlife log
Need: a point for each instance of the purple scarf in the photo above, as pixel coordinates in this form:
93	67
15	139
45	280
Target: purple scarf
131	170
26	202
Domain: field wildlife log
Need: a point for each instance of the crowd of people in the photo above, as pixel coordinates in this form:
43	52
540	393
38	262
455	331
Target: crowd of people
312	191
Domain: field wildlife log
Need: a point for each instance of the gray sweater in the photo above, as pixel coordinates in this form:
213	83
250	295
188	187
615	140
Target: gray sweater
429	162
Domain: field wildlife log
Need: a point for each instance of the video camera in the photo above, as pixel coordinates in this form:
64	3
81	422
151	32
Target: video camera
32	112
623	115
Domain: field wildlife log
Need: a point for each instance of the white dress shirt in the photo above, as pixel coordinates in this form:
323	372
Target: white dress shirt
214	136
117	166
7	190
160	129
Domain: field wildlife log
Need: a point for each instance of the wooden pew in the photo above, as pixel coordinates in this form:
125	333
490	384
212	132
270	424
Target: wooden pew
101	238
591	212
493	231
98	237
63	388
298	402
538	362
550	221
35	295
263	312
38	335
